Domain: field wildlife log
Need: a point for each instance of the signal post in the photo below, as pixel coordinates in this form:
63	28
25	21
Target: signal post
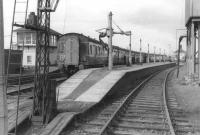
3	102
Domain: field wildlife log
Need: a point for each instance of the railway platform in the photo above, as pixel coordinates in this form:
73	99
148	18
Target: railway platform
88	87
91	85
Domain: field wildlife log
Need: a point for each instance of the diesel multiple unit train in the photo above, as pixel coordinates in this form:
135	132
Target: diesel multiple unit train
79	51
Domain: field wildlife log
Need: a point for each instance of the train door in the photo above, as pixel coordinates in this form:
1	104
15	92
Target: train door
72	51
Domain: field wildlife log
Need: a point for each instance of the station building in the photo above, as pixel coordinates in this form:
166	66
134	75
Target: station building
26	41
27	38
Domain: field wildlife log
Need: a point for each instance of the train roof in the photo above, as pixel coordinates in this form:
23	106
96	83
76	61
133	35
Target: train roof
98	42
91	39
81	35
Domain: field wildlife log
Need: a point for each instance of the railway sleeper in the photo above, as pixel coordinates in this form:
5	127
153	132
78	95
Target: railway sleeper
158	121
131	131
128	115
143	104
134	106
145	109
144	113
141	127
142	122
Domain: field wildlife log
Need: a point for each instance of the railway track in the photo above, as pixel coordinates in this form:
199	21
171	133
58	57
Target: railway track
178	116
13	80
148	109
27	82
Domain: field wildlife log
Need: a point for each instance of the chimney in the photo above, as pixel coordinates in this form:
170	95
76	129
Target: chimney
32	19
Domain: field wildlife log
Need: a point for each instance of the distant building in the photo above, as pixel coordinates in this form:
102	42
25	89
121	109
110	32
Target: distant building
28	38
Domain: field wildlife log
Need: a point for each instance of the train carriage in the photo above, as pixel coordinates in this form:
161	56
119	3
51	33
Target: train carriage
79	51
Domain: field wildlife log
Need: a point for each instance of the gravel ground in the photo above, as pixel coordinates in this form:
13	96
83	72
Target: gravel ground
188	96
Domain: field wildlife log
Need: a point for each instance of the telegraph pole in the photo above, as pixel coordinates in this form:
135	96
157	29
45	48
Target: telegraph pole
3	102
110	34
140	51
148	55
154	54
130	58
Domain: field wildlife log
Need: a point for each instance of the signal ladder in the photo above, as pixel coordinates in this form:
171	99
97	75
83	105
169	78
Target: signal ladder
19	18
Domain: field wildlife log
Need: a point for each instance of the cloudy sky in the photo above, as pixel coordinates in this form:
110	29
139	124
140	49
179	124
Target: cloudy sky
154	21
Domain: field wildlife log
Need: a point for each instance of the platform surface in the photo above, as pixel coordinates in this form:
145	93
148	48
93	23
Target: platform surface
68	86
91	85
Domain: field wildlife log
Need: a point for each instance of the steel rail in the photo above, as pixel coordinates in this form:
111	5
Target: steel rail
166	105
105	128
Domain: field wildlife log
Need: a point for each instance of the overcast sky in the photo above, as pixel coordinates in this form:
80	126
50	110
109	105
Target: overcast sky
154	21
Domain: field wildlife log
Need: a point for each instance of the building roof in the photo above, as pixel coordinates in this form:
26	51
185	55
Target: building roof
53	32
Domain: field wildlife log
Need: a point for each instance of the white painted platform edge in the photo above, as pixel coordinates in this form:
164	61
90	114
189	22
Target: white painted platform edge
68	86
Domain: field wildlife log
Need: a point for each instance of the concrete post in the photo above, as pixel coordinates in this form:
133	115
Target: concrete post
199	50
110	59
130	57
3	102
194	51
148	55
187	52
140	51
160	55
191	65
154	54
164	56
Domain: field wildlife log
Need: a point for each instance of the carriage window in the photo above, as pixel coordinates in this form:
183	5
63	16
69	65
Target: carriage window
90	49
95	49
99	50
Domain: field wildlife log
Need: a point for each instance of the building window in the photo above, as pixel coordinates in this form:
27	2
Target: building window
33	38
51	41
29	59
28	38
20	38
